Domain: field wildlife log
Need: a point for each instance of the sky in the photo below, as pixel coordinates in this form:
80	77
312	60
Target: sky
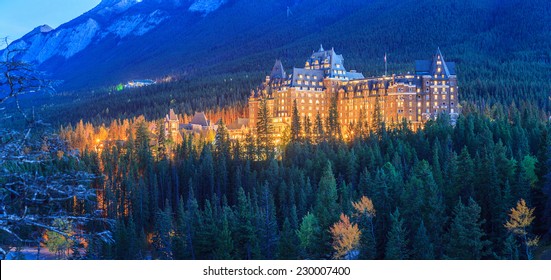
18	17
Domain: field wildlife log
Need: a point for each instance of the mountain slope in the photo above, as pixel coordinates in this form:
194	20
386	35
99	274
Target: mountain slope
502	48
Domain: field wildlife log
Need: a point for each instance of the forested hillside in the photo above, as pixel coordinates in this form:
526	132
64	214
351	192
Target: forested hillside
443	192
502	50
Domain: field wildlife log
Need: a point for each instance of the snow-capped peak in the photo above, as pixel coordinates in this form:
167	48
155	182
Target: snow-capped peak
206	6
45	28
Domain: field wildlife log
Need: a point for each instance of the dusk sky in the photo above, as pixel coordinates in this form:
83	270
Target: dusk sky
18	17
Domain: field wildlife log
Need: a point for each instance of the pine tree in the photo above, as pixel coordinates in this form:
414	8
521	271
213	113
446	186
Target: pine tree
319	131
307	129
162	239
309	237
510	248
377	118
466	234
180	240
333	125
295	124
361	128
224	249
222	141
264	131
422	247
396	246
326	207
288	243
246	236
268	227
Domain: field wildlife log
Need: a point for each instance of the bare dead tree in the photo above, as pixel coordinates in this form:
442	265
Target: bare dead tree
33	191
20	77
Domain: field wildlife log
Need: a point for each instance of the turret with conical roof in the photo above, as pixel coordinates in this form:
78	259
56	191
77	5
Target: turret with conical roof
439	66
277	71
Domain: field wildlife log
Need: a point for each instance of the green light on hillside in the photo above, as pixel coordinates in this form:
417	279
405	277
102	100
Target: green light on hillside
120	87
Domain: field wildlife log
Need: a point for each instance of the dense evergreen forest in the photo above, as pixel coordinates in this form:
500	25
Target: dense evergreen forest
442	192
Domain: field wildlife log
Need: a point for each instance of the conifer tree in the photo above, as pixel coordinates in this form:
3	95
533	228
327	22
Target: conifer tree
222	140
268	227
288	243
326	208
466	234
333	125
510	248
180	239
377	117
307	129
422	247
264	131
397	241
224	248
296	128
309	237
246	236
162	240
319	131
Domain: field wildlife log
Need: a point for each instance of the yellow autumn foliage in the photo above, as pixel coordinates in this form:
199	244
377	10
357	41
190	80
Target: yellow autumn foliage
520	218
364	207
346	237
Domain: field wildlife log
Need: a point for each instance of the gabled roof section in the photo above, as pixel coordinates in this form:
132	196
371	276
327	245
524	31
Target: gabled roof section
436	66
331	63
439	66
277	71
200	119
172	116
312	76
240	123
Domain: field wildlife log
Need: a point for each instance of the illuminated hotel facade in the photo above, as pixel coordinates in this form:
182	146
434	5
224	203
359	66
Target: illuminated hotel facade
416	98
